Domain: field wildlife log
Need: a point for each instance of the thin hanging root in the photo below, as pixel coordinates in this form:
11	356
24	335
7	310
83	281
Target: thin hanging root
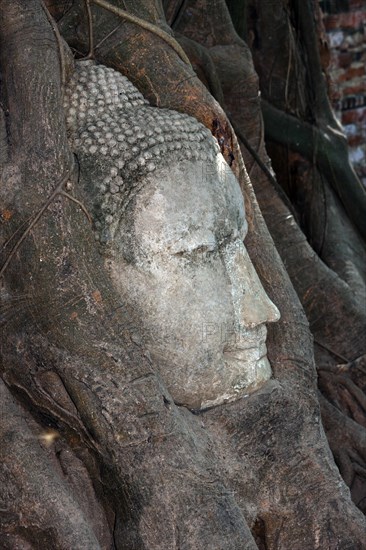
90	31
108	36
262	165
58	190
335	353
145	25
80	204
8	241
59	43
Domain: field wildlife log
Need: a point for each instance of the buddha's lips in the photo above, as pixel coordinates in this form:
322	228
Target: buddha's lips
252	342
241	353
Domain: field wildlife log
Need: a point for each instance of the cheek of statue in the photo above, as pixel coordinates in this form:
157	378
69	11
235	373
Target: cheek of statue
202	306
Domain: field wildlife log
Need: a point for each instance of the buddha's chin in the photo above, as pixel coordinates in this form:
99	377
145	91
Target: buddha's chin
249	377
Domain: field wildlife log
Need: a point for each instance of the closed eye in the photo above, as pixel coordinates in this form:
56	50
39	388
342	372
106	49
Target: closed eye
200	250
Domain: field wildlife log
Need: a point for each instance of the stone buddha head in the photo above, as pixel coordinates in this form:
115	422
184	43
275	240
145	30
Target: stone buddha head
170	219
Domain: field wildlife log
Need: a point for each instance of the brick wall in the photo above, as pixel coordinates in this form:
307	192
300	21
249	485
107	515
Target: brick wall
345	24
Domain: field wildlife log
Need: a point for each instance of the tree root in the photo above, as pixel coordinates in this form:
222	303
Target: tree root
328	149
54	26
269	175
347	440
343	392
79	203
57	191
90	30
145	25
202	63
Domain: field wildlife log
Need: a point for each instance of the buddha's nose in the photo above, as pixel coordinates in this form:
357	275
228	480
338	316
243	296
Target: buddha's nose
251	304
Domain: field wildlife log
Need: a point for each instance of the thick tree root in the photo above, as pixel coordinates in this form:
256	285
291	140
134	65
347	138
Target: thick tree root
345	389
347	440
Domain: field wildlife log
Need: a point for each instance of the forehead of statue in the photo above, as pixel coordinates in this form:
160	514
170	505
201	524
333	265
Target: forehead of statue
190	201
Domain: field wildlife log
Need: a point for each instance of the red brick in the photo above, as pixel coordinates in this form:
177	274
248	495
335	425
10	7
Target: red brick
354	89
344	59
352	72
352	20
331	23
353	141
354	116
356	4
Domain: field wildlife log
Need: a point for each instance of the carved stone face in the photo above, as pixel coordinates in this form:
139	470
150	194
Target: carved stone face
169	212
188	274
